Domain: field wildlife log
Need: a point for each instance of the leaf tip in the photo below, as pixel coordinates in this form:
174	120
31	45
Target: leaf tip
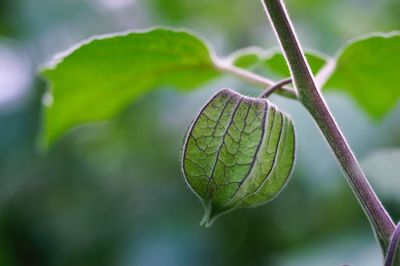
211	213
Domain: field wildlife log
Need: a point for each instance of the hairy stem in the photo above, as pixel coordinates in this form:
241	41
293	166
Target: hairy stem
255	79
314	102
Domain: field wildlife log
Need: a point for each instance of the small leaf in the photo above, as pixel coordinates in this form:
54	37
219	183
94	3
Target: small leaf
239	152
273	63
101	77
368	70
276	64
248	58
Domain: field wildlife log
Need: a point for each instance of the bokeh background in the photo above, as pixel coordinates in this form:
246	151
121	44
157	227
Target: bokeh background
113	194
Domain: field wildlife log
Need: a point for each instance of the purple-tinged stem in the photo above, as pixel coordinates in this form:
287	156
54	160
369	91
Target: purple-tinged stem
393	248
277	86
314	102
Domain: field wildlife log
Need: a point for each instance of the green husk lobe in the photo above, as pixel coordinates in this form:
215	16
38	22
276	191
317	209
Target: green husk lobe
239	152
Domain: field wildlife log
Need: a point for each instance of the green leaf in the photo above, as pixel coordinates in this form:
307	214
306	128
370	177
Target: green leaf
102	76
248	57
273	63
276	64
368	70
239	152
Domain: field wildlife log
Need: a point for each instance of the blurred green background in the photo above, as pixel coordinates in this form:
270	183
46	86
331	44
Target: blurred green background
113	194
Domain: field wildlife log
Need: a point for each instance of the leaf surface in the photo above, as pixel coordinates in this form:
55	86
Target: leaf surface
101	77
368	70
239	152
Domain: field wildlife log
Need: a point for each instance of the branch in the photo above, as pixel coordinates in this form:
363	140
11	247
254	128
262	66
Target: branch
277	86
255	79
314	102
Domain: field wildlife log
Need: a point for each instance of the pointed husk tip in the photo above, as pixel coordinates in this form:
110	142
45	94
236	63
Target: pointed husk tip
211	213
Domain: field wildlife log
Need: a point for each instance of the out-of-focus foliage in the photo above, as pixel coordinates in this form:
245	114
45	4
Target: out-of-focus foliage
111	72
272	63
113	194
368	70
382	168
276	64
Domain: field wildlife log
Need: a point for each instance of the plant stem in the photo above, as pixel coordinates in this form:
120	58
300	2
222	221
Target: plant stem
393	248
255	79
277	86
314	102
